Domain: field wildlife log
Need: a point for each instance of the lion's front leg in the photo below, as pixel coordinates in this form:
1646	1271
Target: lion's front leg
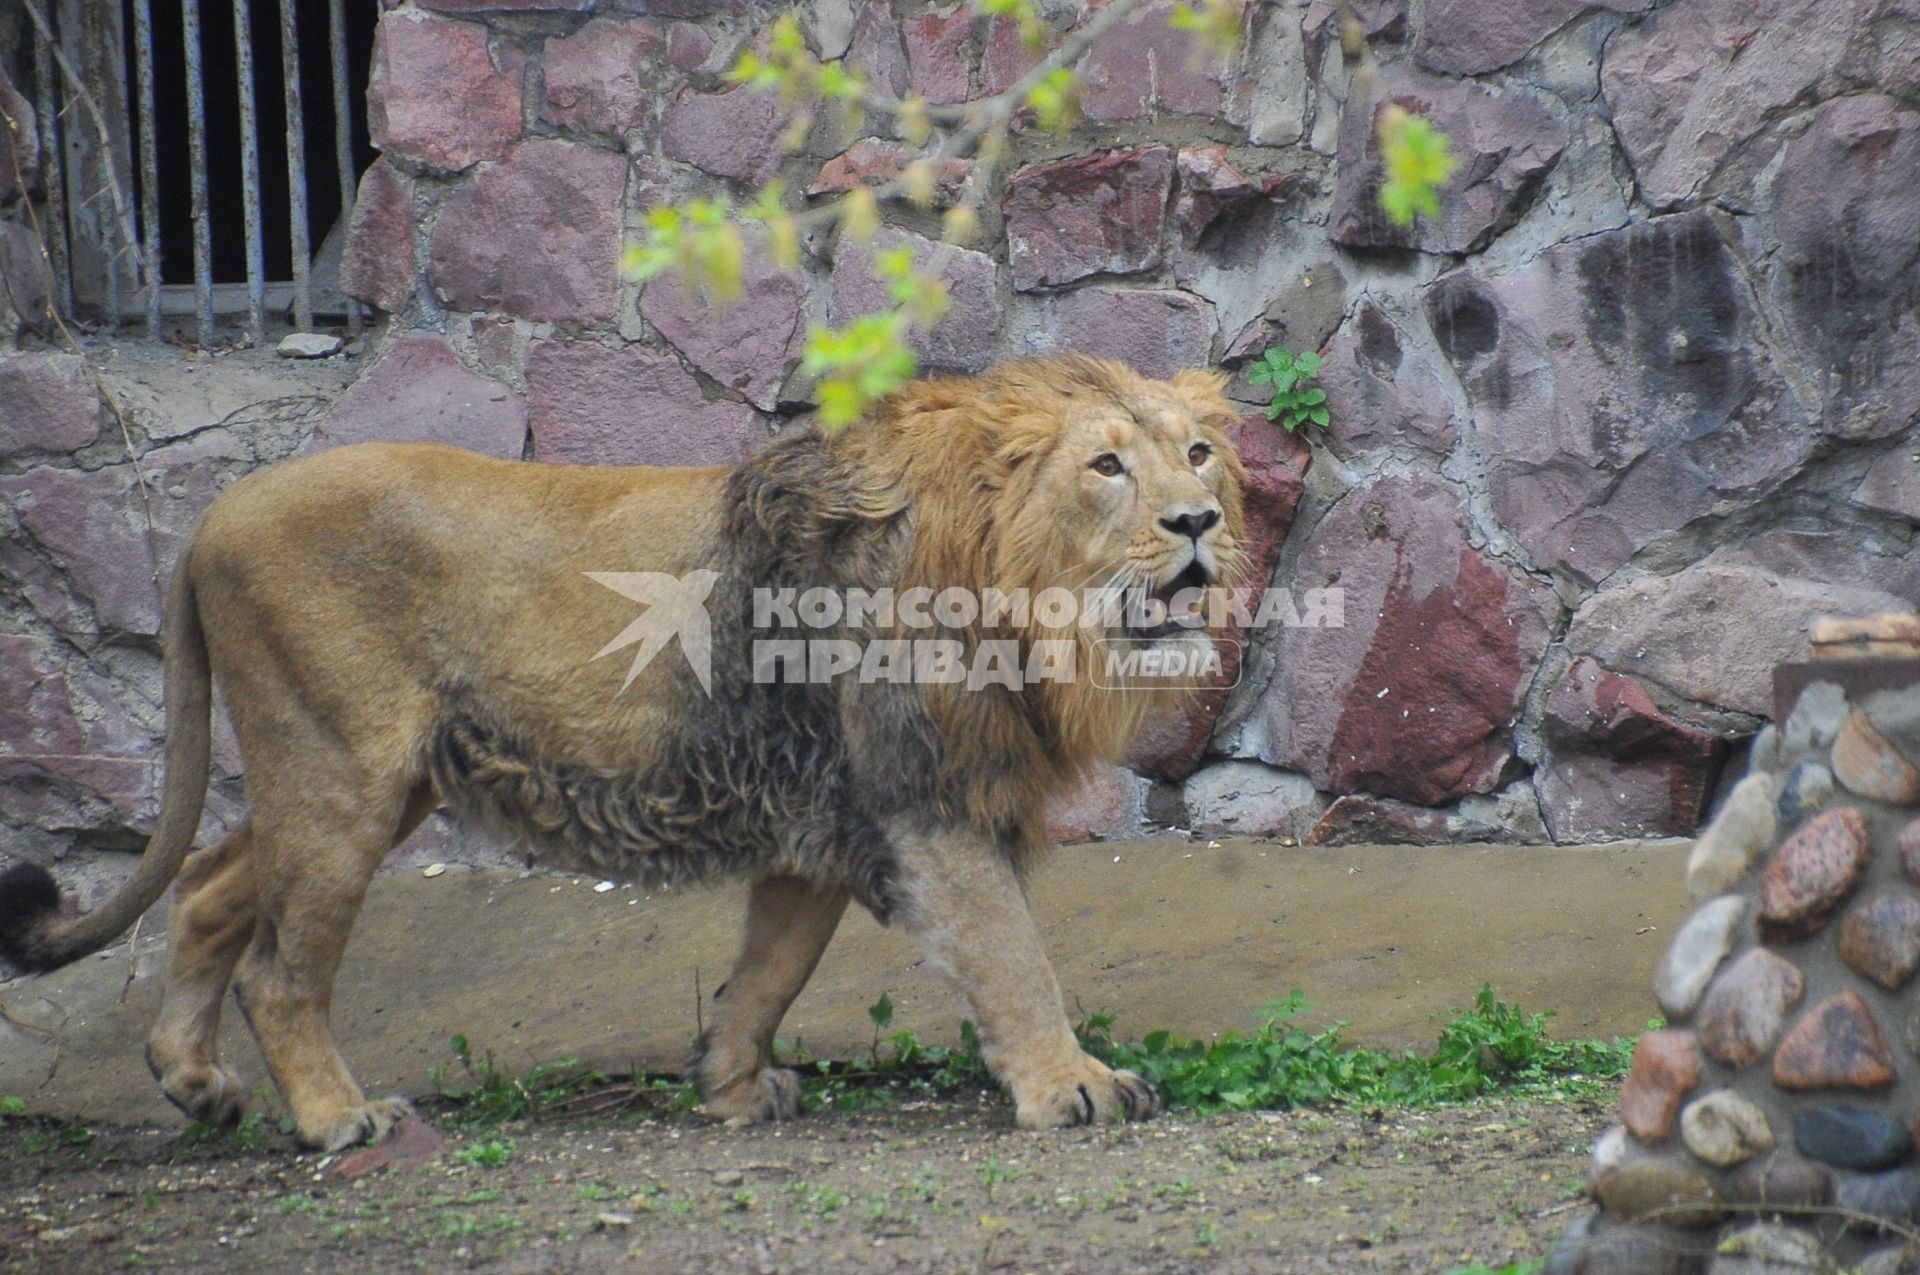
965	906
789	923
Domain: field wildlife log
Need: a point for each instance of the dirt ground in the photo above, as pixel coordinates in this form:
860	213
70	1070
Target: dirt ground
940	1184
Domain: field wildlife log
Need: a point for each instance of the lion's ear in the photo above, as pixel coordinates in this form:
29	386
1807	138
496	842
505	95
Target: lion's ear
1204	392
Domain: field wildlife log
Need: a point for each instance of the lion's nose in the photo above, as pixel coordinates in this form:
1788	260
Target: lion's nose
1194	524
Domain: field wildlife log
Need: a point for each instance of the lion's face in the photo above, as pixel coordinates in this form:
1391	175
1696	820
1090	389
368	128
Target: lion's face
1138	491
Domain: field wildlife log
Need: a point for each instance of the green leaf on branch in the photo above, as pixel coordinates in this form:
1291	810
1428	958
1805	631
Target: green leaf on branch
783	230
1026	16
1056	100
868	359
1418	159
860	214
788	66
858	365
1214	24
697	240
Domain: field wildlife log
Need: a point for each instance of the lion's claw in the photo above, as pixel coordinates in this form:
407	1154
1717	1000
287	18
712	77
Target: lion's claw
772	1093
1095	1095
368	1123
210	1095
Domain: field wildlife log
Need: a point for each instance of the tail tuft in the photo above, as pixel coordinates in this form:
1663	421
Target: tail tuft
29	898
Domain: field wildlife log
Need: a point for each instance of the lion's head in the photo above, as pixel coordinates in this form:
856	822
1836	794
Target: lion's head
1067	473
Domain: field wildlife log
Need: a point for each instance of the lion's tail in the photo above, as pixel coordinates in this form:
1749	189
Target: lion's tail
32	935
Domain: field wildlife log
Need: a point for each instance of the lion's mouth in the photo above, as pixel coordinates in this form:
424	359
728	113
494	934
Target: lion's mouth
1165	602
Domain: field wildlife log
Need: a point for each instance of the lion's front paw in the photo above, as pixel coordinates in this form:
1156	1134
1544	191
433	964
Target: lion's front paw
369	1122
211	1095
772	1093
1088	1093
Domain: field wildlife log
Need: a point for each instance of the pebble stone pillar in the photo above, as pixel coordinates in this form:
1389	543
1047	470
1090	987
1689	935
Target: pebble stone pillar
1770	1127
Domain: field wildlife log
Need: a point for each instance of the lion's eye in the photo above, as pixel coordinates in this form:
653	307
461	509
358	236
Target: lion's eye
1197	454
1108	465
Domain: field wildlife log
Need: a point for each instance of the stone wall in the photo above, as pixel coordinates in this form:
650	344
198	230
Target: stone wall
1605	432
1771	1127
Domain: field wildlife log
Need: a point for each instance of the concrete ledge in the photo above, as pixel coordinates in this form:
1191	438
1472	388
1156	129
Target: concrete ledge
1168	934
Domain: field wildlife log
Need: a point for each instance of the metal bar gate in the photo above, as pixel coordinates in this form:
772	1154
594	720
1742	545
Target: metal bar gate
106	255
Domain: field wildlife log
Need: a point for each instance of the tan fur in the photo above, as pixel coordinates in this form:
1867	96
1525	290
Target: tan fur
341	596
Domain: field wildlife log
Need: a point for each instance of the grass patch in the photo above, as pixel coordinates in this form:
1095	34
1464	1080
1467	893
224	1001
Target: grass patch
1493	1047
494	1093
491	1154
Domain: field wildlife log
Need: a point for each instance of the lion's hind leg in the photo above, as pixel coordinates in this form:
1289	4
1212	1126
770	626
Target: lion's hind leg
315	856
211	925
789	924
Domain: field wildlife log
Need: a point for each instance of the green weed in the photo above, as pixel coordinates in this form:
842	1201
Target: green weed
491	1154
1295	402
1283	1065
496	1094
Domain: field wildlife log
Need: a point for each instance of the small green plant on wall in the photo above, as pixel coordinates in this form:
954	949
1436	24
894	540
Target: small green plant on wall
1296	402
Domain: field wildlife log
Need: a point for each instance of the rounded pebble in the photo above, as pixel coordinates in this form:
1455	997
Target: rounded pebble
1674	1191
1703	941
1808	786
1725	1129
1851	1137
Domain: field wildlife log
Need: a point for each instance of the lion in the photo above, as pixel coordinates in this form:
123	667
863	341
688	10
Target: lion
398	627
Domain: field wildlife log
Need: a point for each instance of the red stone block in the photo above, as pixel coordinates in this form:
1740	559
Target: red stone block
1811	874
870	162
1110	804
731	134
1666	1064
435	95
1837	1044
1007	56
377	264
1414	692
419	392
48	403
1143	66
593	77
748	345
536	235
1089	215
1747	1005
939	64
1880	938
1156	331
1616	765
592	404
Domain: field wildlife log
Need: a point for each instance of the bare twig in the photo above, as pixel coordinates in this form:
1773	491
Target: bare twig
55	1034
133	940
